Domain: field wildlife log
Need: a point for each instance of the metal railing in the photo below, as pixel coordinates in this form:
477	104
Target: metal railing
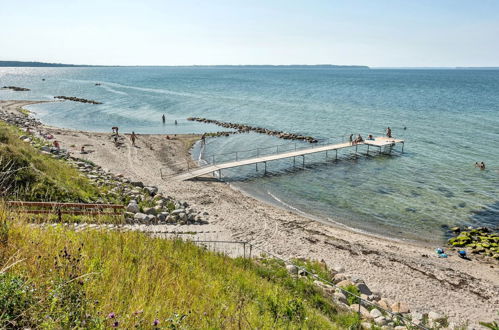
214	159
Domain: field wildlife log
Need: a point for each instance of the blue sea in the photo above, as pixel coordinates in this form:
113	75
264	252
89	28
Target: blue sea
449	119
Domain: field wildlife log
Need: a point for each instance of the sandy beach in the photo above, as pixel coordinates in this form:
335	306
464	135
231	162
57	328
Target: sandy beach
401	271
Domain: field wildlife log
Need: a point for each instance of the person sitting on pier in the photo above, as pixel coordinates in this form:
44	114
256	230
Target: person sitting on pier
358	140
370	137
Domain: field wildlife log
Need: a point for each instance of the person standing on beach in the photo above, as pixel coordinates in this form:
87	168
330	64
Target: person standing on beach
203	138
133	137
164	118
388	132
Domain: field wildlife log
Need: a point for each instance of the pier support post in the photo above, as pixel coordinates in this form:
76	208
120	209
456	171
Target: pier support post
326	155
294	161
256	164
265	171
403	147
336	154
367	149
303	161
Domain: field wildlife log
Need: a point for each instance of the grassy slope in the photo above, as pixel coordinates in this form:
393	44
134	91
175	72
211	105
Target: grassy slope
38	176
80	278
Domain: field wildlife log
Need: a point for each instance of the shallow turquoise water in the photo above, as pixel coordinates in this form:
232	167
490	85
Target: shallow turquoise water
451	119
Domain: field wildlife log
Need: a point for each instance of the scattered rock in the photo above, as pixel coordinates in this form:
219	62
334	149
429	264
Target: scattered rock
339	277
140	217
364	289
363	311
133	207
339	296
344	283
292	269
400	307
375	313
384	304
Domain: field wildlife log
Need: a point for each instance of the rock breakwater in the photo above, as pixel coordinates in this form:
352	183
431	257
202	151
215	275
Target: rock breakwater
242	128
76	99
16	89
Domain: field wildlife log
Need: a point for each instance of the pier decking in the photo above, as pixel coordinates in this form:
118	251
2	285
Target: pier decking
210	168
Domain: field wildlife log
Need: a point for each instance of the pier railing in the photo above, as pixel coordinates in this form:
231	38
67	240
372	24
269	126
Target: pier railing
249	250
219	158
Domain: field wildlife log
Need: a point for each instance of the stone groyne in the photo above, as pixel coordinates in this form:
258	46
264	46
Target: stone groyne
16	89
76	99
242	128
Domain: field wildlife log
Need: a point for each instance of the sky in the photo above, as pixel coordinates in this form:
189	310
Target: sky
377	33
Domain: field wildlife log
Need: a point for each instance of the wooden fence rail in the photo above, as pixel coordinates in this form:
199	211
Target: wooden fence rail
66	208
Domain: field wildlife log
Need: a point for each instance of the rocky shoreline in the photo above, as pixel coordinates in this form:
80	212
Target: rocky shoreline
76	99
143	203
241	128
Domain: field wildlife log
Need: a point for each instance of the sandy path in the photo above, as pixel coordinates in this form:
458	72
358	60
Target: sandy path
463	290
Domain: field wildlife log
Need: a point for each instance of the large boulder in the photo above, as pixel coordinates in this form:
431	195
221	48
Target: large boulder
292	269
339	277
133	207
385	304
178	211
140	217
151	219
364	312
162	216
375	313
344	283
364	289
400	307
340	297
151	190
150	210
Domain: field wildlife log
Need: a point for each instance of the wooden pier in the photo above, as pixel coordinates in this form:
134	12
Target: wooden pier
378	142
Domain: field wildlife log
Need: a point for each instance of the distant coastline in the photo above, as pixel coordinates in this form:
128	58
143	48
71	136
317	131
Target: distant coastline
38	64
293	66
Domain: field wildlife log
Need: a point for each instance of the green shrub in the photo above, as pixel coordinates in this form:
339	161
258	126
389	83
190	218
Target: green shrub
353	291
16	298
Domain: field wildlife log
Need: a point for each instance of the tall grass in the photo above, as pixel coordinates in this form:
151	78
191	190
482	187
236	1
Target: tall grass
35	176
96	278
